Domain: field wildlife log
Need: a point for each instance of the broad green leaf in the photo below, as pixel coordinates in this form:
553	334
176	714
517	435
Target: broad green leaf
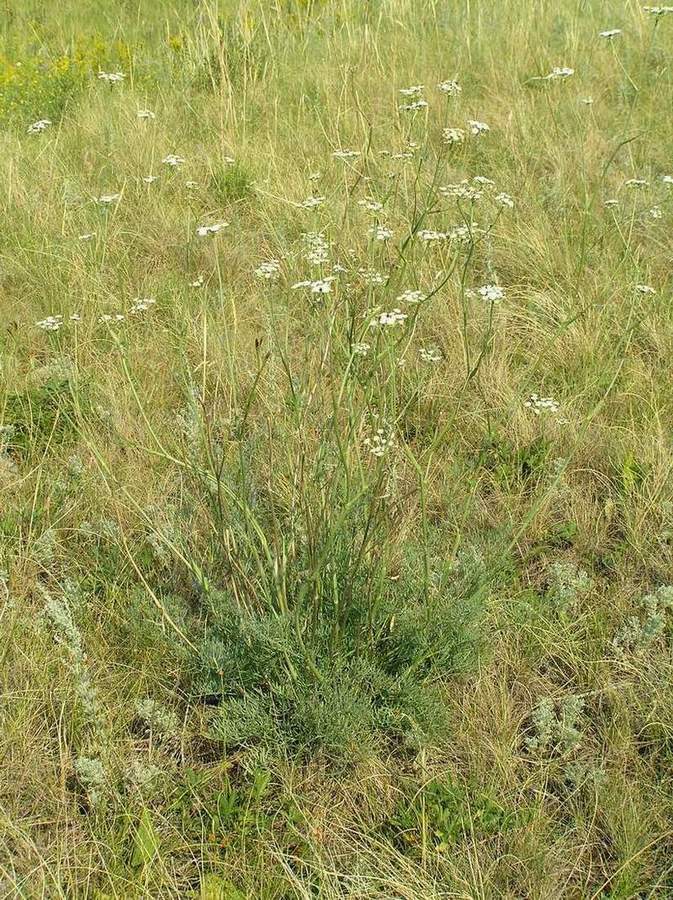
145	841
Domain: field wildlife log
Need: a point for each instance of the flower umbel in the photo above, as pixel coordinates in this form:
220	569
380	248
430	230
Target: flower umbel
205	230
39	126
380	442
389	319
477	128
542	405
492	293
112	77
451	88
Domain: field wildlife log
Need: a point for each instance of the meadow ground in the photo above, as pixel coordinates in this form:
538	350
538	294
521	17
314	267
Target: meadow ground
336	520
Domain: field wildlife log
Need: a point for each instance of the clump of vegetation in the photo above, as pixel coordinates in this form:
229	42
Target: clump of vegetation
43	413
556	728
639	632
443	813
42	85
230	183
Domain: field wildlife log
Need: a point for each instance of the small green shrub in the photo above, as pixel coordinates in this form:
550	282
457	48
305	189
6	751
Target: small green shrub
638	633
41	414
514	466
443	813
282	686
568	585
231	182
556	728
332	639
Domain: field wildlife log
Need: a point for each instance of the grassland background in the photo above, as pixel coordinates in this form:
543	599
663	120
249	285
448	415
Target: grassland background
456	657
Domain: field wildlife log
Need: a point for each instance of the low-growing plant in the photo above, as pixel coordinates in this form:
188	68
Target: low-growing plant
45	412
444	812
639	632
568	584
514	466
282	686
231	182
556	727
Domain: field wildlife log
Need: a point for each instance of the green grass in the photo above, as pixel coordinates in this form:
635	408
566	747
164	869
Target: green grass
295	604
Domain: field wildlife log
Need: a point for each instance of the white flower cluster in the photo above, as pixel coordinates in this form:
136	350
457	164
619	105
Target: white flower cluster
371	205
542	405
205	230
270	270
407	153
55	322
457	135
389	319
477	128
112	77
142	304
560	72
344	153
371	276
414	105
505	200
411	296
461	191
414	91
463	234
464	190
431	354
311	202
453	135
416	102
39	126
317	248
451	88
492	293
429	236
380	232
380	442
320	286
111	318
172	160
51	323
